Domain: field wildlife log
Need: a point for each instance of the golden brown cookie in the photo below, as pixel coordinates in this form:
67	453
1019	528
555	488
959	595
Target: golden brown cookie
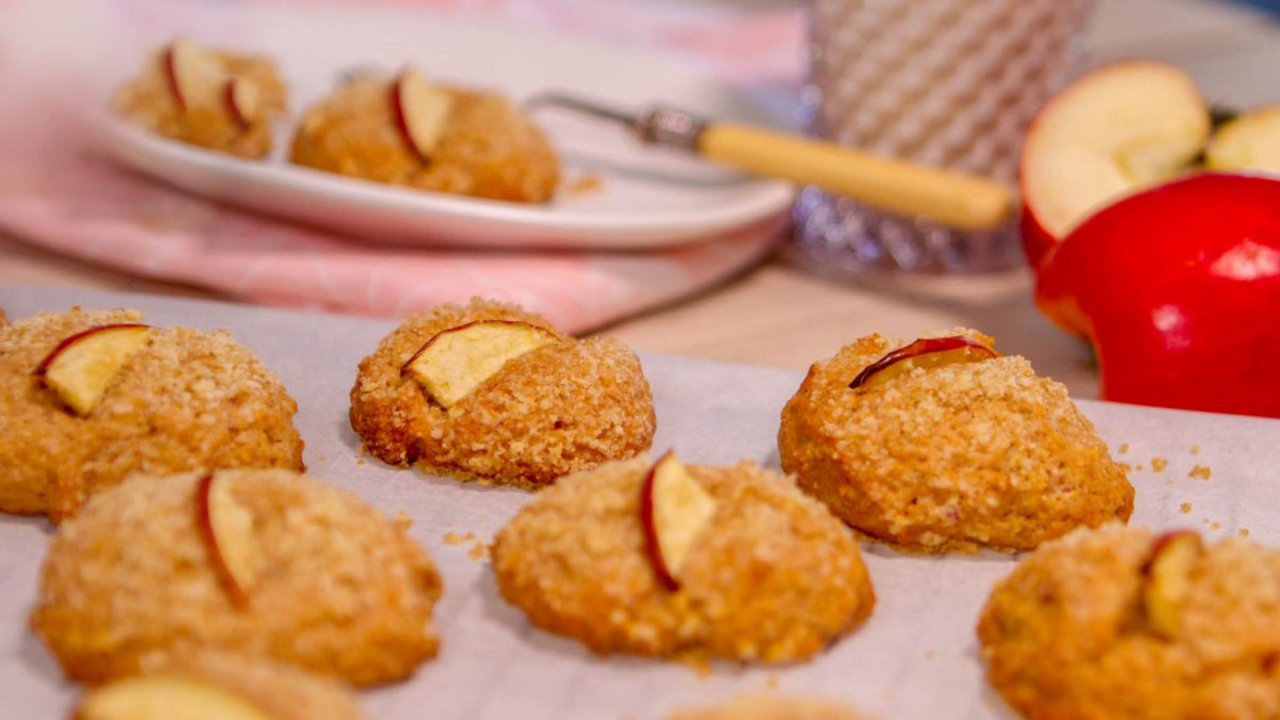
262	562
215	99
1116	623
764	707
483	145
181	400
948	450
757	571
563	405
211	684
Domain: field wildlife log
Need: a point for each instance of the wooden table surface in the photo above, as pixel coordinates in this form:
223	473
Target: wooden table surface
781	315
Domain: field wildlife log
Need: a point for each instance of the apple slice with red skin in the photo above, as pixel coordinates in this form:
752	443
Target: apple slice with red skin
925	353
242	100
227	529
81	367
1177	288
1114	131
674	512
194	75
421	111
456	361
165	697
1167	579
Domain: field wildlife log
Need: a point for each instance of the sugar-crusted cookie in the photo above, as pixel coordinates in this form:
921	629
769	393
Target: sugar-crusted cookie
944	445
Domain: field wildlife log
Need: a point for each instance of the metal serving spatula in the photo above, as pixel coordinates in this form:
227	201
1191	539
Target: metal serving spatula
954	199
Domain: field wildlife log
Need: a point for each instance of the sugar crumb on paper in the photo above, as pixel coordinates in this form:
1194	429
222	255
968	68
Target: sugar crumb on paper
1158	464
1185	508
1200	472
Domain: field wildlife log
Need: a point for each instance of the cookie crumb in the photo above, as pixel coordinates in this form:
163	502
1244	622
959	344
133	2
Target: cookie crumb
1126	467
453	538
587	182
1200	472
1124	448
1141	468
1185	508
1195	449
479	551
1243	532
1216	526
1158	464
929	654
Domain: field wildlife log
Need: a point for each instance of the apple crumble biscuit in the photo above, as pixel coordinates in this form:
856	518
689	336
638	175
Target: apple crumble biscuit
261	562
563	405
183	400
481	145
956	456
240	687
767	575
1115	623
765	707
215	99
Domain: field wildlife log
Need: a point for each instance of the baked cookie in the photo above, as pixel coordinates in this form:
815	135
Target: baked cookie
490	392
261	562
1116	623
90	396
662	559
215	99
405	131
764	707
218	686
944	445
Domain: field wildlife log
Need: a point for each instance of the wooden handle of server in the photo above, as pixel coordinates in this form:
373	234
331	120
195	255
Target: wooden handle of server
953	199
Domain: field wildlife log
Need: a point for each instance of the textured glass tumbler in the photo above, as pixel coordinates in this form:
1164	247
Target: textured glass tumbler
950	83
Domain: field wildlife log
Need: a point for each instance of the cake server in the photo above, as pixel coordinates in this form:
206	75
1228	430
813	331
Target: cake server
954	199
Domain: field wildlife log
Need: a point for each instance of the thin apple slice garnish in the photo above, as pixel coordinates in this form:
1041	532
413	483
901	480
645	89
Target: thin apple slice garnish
165	697
81	367
454	362
674	512
227	529
926	353
1248	142
1167	579
194	75
243	100
421	111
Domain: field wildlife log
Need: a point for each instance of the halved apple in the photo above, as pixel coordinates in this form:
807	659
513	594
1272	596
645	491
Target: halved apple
1168	578
81	367
165	697
454	362
195	76
674	511
421	110
1116	130
1249	142
924	353
227	529
243	100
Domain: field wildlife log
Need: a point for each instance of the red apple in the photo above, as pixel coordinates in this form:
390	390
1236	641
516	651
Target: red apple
227	529
242	100
674	512
420	110
81	367
1178	289
456	361
923	353
194	75
1116	130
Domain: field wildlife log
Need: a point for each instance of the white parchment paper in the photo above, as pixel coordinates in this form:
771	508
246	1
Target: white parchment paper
915	659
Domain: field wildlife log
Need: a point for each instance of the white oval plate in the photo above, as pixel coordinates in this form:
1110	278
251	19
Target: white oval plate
647	197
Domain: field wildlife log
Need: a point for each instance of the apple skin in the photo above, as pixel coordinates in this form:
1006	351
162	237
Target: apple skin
67	342
923	346
1177	288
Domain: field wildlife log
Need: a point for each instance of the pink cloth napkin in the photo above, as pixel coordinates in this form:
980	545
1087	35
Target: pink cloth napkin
56	195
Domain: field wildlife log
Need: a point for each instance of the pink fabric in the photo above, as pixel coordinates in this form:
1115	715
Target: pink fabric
55	195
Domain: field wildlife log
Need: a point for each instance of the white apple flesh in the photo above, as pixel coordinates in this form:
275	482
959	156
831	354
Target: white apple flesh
1168	579
1118	129
421	111
456	361
165	697
81	367
1249	142
674	511
194	75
